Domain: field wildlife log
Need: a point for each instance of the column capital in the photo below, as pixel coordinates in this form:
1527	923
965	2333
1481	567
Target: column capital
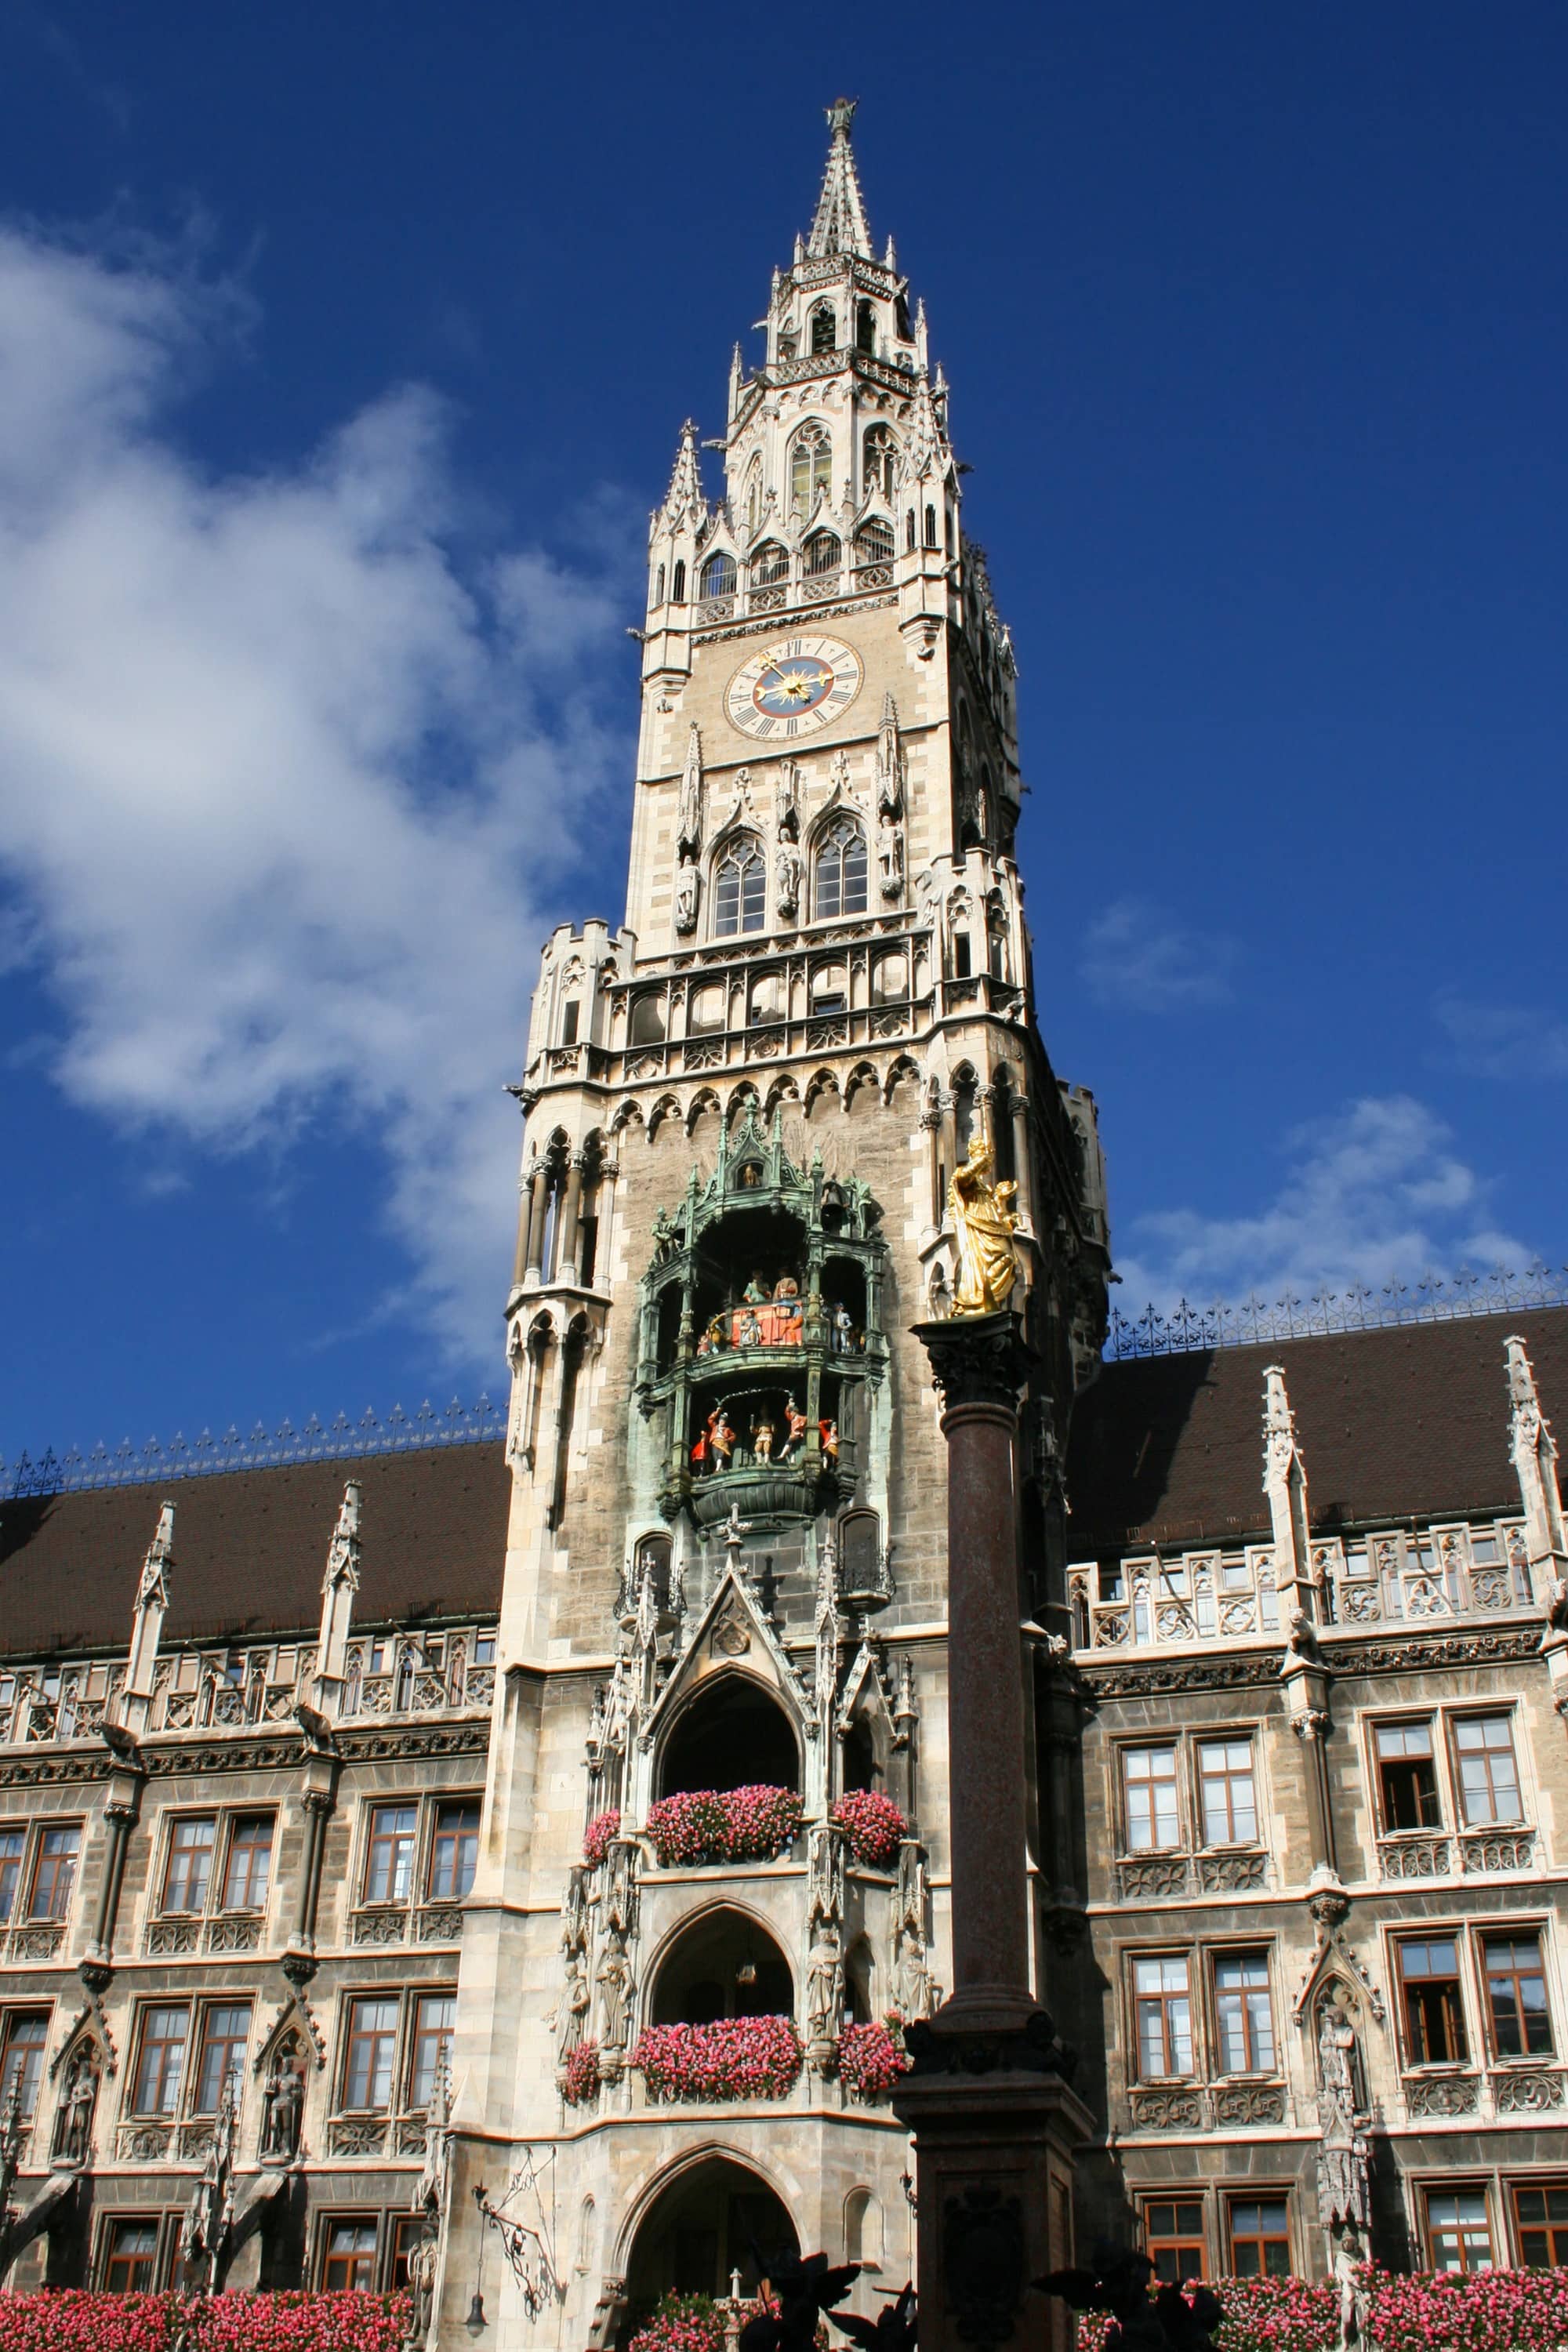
977	1360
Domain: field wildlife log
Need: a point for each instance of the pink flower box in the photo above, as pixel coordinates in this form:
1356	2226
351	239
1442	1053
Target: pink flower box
735	2058
596	1838
701	1825
874	1826
872	2058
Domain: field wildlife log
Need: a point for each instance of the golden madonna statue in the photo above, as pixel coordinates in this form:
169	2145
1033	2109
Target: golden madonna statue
982	1225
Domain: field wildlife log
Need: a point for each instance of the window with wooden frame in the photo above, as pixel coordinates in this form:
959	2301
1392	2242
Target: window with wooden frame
188	1863
128	2261
1244	2013
167	2081
1408	1791
161	2058
408	2229
1151	1809
1227	1794
1541	2223
370	2053
1486	1771
1431	2000
1174	2237
345	2259
24	2033
247	1867
1163	2017
216	1863
56	1852
454	1850
1519	2015
391	1844
434	2019
13	1846
392	2043
1259	2232
1458	2230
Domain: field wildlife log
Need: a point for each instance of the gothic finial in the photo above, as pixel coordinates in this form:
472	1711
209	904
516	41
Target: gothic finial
1534	1456
684	497
154	1585
839	225
342	1552
1285	1485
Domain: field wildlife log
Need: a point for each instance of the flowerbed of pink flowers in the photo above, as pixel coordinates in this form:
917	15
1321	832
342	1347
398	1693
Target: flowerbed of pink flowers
874	1824
750	1824
872	2058
582	2082
66	2321
596	1838
735	2058
695	2323
1431	2311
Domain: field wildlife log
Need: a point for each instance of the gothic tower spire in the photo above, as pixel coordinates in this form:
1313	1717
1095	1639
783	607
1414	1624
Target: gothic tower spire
840	222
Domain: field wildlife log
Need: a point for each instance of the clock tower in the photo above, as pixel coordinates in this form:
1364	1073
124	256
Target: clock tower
714	1861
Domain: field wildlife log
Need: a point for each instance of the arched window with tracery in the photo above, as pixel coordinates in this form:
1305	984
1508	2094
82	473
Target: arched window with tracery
658	586
824	328
740	888
881	455
840	874
810	466
719	576
770	564
824	552
874	542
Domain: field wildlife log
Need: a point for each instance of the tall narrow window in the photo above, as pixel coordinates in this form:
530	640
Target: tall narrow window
880	452
1260	2237
841	877
659	586
810	466
53	1872
1245	2014
1174	2238
373	2040
1516	1996
1488	1775
1225	1782
1165	2015
250	1863
1457	2230
435	2014
1407	1776
1149	1783
1433	2015
22	2056
930	526
824	328
864	328
910	531
677	587
739	889
226	2034
389	1857
188	1871
12	1844
453	1851
161	2060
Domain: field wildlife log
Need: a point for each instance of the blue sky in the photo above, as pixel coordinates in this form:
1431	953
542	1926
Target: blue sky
342	354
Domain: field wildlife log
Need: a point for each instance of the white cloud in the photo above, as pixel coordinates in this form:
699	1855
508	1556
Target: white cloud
284	770
1370	1195
1136	959
1504	1041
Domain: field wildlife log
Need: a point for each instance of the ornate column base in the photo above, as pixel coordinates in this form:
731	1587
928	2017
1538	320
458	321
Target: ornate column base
996	2124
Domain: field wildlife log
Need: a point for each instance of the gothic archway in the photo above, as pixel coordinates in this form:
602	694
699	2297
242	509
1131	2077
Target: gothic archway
723	1964
698	2229
731	1734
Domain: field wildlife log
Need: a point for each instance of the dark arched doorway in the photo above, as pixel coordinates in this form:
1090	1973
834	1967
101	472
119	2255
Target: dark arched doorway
703	2227
730	1735
725	1965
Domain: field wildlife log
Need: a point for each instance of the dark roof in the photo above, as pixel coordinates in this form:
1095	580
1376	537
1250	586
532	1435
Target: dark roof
251	1547
1407	1421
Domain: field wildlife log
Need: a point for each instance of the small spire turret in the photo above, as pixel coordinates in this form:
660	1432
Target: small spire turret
840	222
147	1626
683	500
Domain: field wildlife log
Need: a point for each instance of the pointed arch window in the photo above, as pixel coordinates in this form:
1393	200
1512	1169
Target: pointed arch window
930	526
865	328
740	888
810	466
840	876
824	552
824	328
658	586
874	542
755	497
719	576
880	452
770	564
677	592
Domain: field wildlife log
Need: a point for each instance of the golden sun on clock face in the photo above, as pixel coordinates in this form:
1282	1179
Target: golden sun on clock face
799	685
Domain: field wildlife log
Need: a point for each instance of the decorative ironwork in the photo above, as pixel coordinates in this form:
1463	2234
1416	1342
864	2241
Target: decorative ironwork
1185	1328
207	1456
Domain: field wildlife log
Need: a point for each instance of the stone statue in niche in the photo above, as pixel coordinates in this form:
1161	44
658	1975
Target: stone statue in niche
572	2009
615	1993
786	803
982	1225
787	866
688	814
825	1874
688	890
911	1978
282	2104
890	855
73	2131
1354	2295
823	1989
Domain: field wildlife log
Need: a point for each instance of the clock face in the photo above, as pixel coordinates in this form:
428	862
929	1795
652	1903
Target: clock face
797	687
